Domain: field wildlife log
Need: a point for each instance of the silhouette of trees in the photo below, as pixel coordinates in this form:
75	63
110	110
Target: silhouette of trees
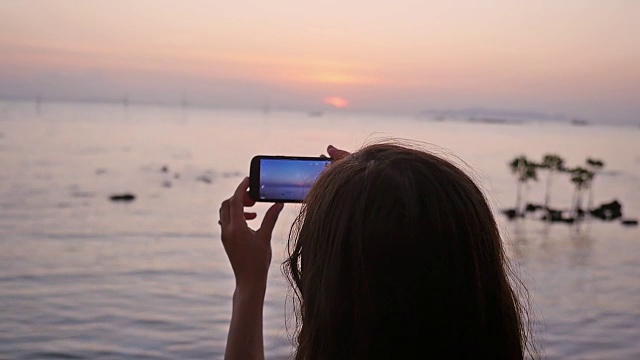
524	170
552	163
595	165
581	179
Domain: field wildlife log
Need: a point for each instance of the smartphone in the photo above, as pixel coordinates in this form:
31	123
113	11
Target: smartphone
284	178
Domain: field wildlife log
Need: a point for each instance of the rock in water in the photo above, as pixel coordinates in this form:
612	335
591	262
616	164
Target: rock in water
204	178
533	207
126	197
553	215
511	213
610	211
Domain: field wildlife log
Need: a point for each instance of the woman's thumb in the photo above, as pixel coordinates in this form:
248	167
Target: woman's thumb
270	218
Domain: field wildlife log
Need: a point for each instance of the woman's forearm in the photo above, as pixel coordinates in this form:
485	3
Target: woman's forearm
249	253
245	340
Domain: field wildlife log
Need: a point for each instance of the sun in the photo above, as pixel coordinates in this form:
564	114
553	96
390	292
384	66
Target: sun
336	101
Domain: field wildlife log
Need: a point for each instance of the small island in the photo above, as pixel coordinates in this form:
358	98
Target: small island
582	177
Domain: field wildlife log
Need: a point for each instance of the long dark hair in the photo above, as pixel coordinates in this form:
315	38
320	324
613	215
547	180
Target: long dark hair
395	254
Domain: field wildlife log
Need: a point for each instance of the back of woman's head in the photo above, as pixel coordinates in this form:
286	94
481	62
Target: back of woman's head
396	252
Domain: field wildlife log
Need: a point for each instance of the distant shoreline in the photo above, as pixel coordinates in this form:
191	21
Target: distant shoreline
427	116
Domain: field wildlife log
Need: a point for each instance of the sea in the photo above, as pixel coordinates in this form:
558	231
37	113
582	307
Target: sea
84	277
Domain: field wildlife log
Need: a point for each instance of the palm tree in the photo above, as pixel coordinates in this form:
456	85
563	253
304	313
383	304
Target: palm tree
595	165
581	178
524	170
552	163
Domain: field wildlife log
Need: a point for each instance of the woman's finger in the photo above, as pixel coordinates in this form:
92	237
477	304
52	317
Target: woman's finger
224	213
250	215
336	153
237	202
270	218
247	201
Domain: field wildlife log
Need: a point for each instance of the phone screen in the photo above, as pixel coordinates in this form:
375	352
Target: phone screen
286	179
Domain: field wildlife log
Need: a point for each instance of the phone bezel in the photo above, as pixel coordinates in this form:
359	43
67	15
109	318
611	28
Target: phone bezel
254	175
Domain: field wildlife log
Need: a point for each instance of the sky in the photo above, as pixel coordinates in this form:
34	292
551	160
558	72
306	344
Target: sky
576	58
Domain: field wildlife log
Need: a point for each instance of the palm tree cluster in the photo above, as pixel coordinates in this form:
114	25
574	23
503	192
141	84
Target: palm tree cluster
526	170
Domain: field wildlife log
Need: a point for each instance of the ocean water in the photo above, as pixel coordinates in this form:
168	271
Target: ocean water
84	277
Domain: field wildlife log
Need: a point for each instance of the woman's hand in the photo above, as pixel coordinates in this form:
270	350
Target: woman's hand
249	250
336	153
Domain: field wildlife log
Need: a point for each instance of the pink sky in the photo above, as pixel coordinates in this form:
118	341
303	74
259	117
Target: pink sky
578	58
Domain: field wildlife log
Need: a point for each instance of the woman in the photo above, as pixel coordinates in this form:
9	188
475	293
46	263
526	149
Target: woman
395	254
